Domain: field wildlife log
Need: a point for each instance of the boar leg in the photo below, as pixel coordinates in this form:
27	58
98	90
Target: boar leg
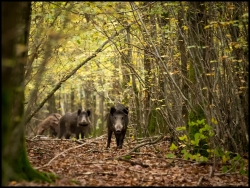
109	137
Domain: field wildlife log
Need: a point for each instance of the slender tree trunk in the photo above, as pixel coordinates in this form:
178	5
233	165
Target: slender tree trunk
148	77
101	111
239	73
52	104
125	58
182	49
90	103
72	99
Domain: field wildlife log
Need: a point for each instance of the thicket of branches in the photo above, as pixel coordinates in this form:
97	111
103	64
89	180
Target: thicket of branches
172	63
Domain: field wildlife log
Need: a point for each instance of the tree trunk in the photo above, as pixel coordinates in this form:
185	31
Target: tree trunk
101	111
52	104
15	33
89	104
72	99
182	49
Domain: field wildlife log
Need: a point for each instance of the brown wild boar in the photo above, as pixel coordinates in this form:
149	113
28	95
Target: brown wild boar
51	122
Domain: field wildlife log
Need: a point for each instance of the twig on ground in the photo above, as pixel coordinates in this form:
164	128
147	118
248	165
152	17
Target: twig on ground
143	144
133	162
138	153
134	149
226	174
66	151
211	172
199	182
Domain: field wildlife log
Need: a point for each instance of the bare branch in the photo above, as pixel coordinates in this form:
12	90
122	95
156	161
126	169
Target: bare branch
58	85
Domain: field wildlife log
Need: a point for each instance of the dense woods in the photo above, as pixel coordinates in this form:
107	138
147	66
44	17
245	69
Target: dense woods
180	67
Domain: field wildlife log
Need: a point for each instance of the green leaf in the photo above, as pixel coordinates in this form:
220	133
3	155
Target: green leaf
186	155
201	121
236	158
191	124
211	134
197	136
203	159
78	41
224	169
195	157
170	155
184	137
127	157
173	147
193	142
243	172
180	128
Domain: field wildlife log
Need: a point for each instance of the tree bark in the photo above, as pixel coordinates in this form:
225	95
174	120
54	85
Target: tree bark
52	104
184	71
15	34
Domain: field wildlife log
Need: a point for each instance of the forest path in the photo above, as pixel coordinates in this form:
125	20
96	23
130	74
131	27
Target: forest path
89	163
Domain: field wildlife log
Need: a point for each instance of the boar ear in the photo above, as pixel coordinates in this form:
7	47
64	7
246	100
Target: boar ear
125	110
79	111
88	112
112	110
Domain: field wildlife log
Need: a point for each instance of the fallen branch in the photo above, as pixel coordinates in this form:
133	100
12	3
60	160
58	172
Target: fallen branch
226	174
142	172
211	172
67	151
133	162
143	144
45	138
199	182
134	149
61	154
137	153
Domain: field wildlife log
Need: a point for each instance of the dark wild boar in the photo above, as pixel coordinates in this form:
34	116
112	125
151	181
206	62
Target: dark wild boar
74	123
51	122
117	122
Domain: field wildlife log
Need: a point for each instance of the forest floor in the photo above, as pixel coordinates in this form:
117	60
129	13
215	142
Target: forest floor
88	163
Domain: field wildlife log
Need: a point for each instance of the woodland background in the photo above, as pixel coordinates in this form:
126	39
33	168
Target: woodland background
172	63
180	67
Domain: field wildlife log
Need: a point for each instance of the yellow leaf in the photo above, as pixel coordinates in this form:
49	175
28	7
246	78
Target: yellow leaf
210	74
185	28
241	88
236	45
224	159
207	26
214	121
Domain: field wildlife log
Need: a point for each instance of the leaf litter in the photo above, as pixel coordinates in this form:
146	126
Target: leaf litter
88	162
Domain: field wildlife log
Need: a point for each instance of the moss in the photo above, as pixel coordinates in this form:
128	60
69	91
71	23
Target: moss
24	170
18	167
